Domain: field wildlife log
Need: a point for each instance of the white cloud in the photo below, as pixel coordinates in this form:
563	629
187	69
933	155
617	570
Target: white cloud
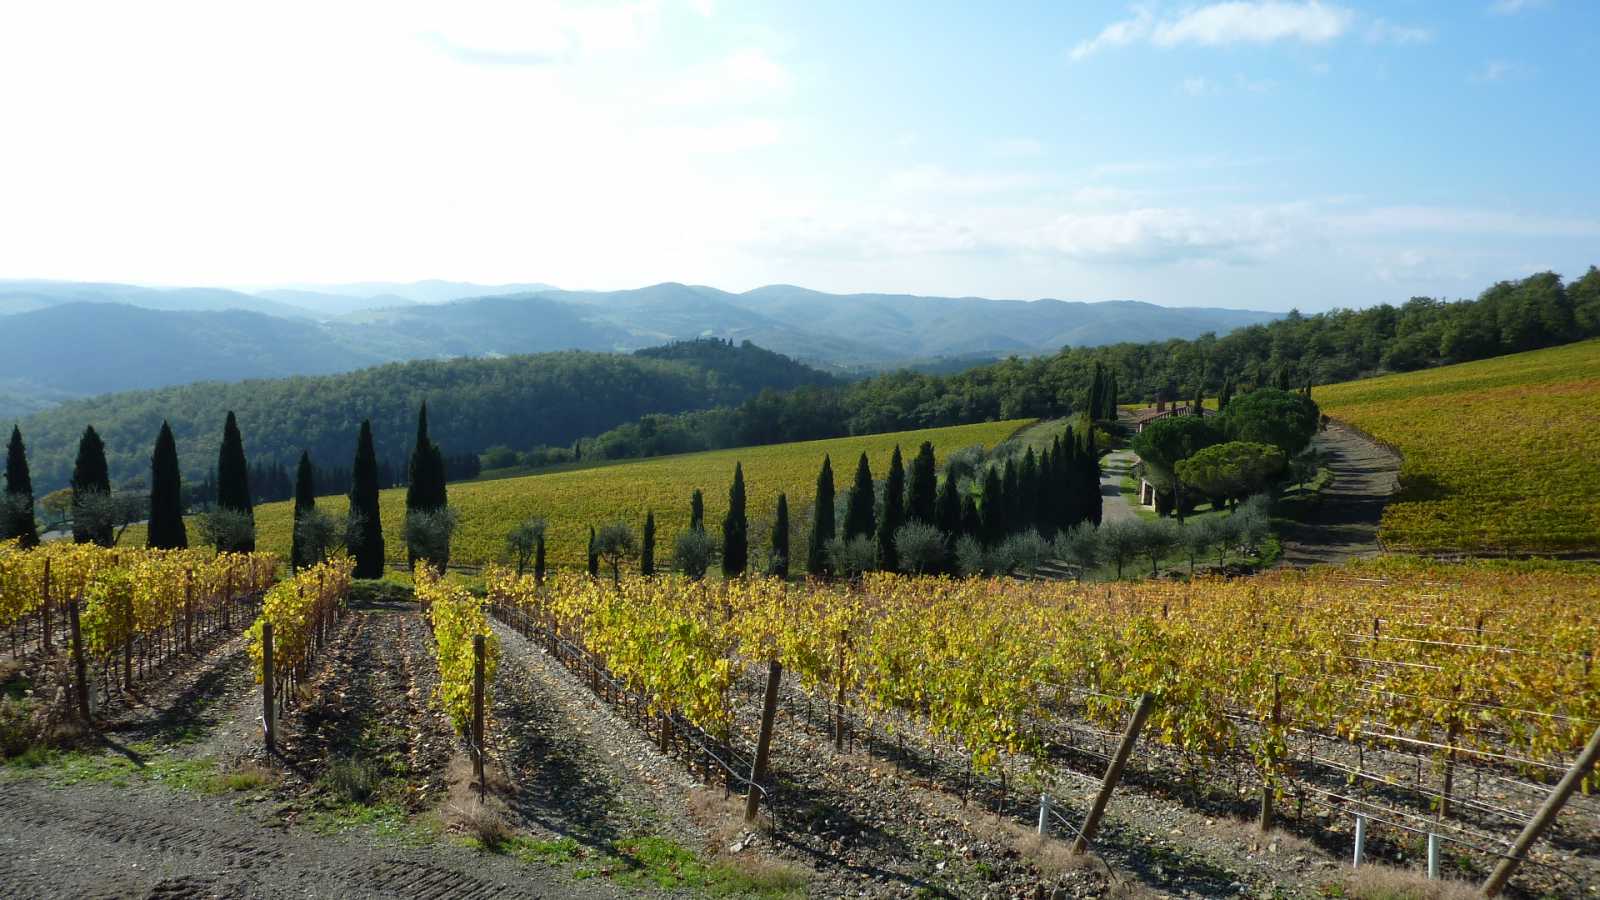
1159	235
1014	148
1197	87
933	179
1495	70
706	8
1512	7
1382	31
1464	221
741	77
1257	23
1219	24
505	32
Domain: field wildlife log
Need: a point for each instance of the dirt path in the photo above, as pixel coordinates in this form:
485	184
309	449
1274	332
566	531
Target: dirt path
1114	466
1345	523
577	770
142	816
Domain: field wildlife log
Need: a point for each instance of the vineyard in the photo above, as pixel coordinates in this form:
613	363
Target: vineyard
572	501
132	610
1424	702
1493	451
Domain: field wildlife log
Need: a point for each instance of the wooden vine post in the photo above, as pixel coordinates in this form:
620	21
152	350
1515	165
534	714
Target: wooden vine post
769	714
1269	778
1091	823
1546	815
838	702
127	645
267	674
81	681
188	611
477	715
49	648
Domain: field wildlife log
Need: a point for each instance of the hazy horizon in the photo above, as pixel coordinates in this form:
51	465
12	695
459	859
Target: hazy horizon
1245	155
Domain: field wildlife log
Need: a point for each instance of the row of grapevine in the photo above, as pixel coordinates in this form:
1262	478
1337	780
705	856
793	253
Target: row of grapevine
302	611
456	617
1301	676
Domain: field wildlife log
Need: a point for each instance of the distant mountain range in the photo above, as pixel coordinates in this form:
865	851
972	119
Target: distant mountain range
75	339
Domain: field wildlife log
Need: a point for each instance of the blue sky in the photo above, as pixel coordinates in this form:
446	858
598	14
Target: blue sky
1249	154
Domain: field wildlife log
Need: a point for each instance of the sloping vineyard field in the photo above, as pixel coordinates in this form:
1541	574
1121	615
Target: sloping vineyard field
1427	699
1496	452
571	501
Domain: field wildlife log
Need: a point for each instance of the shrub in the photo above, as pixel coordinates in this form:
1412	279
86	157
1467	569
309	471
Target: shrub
921	547
691	553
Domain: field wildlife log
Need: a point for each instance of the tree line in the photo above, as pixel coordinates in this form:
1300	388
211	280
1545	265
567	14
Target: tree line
548	398
1340	345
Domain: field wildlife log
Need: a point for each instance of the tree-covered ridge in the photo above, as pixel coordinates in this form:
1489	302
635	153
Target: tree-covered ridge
549	398
1341	345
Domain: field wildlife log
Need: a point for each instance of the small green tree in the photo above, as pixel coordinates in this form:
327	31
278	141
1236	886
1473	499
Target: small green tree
428	533
860	518
691	553
1120	540
922	489
822	524
91	486
305	503
1156	539
647	553
166	530
524	540
893	513
778	559
16	512
233	486
1082	546
735	529
366	541
920	547
1233	470
852	557
697	511
614	544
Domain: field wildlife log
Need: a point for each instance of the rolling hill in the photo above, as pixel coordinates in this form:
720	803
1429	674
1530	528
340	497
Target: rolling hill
550	398
172	336
1499	454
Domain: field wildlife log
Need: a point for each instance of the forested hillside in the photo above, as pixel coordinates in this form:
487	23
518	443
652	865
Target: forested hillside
1341	345
545	398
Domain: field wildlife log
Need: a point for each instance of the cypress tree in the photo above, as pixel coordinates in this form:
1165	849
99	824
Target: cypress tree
538	560
922	494
780	539
1199	397
697	511
1091	480
1011	490
860	516
233	479
1065	487
89	476
1028	493
19	490
735	529
894	493
822	526
305	502
425	490
594	557
166	530
1097	391
1225	393
971	520
949	509
366	538
1111	397
647	549
993	524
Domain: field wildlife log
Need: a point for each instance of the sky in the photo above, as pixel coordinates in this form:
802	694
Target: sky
1261	155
